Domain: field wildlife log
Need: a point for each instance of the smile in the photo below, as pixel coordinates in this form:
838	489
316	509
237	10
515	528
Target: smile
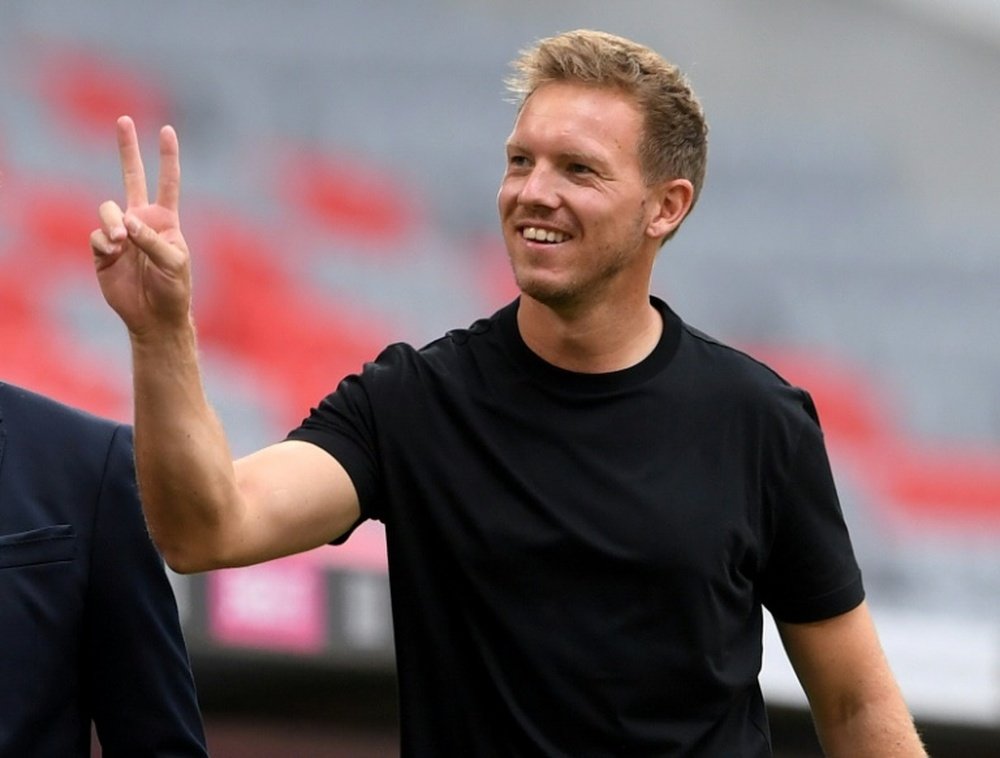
543	235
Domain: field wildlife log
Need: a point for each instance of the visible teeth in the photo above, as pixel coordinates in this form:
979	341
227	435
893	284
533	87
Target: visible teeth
543	235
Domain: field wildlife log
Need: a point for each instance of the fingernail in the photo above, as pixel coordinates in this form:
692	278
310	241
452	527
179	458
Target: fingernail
118	233
132	224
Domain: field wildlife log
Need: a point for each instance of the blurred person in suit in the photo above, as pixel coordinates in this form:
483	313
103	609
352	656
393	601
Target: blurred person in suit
88	621
587	502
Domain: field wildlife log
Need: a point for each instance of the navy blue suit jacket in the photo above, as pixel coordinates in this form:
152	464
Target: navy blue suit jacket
89	630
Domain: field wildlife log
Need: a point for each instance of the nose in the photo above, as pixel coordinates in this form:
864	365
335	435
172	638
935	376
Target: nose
540	187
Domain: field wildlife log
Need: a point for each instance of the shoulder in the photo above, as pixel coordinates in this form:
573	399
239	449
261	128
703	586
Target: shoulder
702	352
705	361
18	402
30	417
444	356
735	378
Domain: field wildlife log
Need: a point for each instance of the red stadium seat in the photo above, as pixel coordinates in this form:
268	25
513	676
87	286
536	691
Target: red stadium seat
87	92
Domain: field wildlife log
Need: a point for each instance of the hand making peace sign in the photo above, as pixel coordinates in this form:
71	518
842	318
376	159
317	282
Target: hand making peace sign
141	258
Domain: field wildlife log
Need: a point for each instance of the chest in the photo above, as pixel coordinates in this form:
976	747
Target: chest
640	488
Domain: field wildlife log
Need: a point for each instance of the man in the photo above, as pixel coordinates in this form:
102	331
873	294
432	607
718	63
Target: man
586	501
87	617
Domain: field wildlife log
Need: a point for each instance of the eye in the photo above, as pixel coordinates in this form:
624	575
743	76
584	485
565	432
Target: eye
579	168
517	161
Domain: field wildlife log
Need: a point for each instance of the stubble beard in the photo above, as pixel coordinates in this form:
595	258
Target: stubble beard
566	294
583	287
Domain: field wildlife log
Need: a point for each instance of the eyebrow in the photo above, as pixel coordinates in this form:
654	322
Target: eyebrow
568	156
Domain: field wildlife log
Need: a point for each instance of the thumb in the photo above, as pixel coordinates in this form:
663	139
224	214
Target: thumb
163	254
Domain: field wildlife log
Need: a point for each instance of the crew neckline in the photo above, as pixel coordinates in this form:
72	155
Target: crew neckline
565	380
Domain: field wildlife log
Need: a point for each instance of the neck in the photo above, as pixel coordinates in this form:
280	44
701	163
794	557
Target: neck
591	340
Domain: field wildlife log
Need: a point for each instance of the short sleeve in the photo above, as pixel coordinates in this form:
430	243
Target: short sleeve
811	572
343	425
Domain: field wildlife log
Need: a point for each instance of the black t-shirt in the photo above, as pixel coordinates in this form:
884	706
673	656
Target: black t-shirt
578	561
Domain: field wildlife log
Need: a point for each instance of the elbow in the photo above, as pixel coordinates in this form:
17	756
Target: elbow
190	547
180	563
184	562
187	557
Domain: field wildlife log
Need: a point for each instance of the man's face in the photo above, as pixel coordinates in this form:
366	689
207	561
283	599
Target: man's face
574	207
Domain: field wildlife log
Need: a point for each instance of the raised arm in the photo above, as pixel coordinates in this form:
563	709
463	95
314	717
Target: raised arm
203	511
856	704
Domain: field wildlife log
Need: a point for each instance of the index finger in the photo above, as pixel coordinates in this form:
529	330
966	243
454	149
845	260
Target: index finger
133	174
168	188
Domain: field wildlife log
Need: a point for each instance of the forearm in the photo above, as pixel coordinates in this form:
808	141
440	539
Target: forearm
183	461
881	729
857	706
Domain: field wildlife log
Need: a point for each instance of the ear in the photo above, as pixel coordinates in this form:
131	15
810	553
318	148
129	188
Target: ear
673	200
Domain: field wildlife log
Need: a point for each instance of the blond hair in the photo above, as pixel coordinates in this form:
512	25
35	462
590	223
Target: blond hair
674	144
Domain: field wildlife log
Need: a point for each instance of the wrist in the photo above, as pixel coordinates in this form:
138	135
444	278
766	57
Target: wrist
164	340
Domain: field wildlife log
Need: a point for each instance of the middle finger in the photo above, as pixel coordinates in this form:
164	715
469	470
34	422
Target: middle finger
133	173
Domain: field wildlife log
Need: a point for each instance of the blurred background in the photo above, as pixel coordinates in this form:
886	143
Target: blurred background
341	161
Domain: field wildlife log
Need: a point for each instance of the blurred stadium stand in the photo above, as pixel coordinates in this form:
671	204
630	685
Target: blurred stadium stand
340	164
